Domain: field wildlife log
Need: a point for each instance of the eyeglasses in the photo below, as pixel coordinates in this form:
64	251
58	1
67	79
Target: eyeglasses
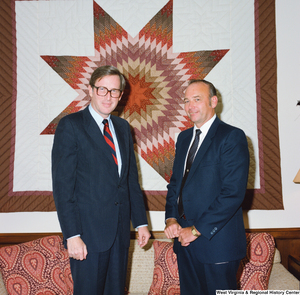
102	91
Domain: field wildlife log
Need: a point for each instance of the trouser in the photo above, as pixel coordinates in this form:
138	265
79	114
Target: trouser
201	278
101	273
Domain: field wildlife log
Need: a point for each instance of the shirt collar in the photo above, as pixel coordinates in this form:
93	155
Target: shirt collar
205	127
97	117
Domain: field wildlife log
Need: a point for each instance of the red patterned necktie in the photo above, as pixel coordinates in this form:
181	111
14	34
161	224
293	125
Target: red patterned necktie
109	139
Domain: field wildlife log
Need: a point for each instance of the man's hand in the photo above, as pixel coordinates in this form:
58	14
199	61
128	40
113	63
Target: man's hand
76	248
172	228
186	236
143	236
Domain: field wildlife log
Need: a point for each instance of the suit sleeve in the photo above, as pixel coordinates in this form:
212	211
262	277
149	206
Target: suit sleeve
137	205
234	167
64	162
173	186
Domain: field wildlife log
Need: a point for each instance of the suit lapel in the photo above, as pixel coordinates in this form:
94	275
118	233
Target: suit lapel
96	135
120	133
92	128
204	147
186	140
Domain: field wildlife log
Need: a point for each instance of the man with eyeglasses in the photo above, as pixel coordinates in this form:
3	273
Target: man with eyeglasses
96	189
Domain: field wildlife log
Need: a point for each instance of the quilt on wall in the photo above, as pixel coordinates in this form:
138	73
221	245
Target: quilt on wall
50	48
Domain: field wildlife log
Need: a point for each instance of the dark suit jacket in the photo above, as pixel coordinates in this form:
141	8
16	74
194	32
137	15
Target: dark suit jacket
213	192
89	194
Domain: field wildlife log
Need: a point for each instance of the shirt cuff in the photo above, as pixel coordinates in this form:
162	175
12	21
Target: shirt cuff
142	225
73	237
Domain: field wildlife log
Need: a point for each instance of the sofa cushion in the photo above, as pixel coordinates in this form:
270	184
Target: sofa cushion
37	267
253	273
2	287
255	268
165	274
282	279
140	267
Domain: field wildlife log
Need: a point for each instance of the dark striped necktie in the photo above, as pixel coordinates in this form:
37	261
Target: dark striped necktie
109	139
189	162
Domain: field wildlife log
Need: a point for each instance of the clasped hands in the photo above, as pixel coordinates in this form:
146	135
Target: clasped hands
174	230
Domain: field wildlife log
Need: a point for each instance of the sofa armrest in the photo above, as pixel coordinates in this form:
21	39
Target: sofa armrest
294	266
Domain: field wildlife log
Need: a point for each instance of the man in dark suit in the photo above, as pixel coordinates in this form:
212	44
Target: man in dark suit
96	189
203	208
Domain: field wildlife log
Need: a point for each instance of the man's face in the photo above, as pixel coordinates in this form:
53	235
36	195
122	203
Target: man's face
197	104
104	105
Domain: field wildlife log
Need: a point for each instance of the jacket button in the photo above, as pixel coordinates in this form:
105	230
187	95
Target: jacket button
116	203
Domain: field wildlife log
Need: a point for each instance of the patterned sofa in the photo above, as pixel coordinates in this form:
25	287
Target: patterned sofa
42	267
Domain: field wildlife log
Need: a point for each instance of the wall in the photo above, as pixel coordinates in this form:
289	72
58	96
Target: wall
288	47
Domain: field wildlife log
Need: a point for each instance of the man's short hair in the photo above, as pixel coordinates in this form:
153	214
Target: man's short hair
212	89
103	71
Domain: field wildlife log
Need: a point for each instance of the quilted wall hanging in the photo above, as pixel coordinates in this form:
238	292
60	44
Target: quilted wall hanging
50	48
